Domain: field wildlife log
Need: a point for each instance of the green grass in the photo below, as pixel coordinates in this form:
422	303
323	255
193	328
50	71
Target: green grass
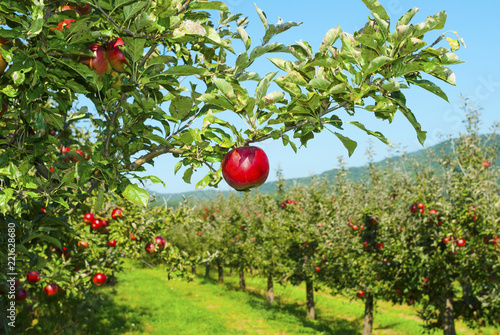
144	302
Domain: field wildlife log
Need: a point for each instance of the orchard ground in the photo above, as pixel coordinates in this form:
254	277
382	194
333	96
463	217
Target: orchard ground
145	302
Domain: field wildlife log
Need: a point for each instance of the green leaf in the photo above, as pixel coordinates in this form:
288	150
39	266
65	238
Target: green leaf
319	84
349	144
187	175
99	200
245	38
400	100
430	86
444	74
214	5
241	62
435	21
263	85
136	195
217	100
130	10
43	237
273	47
375	7
331	36
225	88
36	27
178	165
406	18
377	134
180	107
377	63
135	47
204	182
262	16
184	70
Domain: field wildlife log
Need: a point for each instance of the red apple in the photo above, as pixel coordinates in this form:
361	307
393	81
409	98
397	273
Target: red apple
88	217
33	277
135	238
116	213
446	240
99	279
112	243
360	294
413	207
97	224
21	294
245	167
83	244
115	55
433	211
421	205
4	106
486	164
461	242
354	227
199	233
160	241
317	268
150	247
85	9
98	63
50	289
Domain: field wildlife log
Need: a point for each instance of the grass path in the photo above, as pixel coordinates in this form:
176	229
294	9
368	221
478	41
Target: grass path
144	302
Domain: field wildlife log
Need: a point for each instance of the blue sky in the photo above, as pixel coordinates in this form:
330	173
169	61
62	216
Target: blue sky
478	78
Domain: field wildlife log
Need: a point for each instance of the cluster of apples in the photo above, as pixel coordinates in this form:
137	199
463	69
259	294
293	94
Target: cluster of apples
105	59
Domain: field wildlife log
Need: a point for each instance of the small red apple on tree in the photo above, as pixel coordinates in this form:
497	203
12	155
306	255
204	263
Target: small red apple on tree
51	289
98	62
99	279
112	243
360	294
160	242
21	294
461	242
83	244
317	268
245	167
116	213
33	277
97	224
115	55
88	217
486	164
150	247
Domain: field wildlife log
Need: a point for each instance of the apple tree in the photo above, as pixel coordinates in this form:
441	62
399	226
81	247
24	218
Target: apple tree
92	90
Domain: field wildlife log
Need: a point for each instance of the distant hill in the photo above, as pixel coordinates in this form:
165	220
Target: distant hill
355	173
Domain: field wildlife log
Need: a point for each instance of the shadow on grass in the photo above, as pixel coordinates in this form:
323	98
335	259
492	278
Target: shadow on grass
293	310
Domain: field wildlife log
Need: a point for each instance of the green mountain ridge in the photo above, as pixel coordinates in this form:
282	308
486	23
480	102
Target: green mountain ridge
355	173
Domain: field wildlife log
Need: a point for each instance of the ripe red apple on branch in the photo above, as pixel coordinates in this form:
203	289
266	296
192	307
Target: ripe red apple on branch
98	62
115	55
245	167
116	213
88	217
51	289
99	279
33	277
112	243
160	242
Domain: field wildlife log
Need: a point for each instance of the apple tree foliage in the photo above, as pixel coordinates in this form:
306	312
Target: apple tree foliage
70	135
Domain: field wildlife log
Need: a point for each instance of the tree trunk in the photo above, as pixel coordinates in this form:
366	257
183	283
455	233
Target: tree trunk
207	271
221	273
310	299
193	269
270	290
368	320
448	317
243	285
